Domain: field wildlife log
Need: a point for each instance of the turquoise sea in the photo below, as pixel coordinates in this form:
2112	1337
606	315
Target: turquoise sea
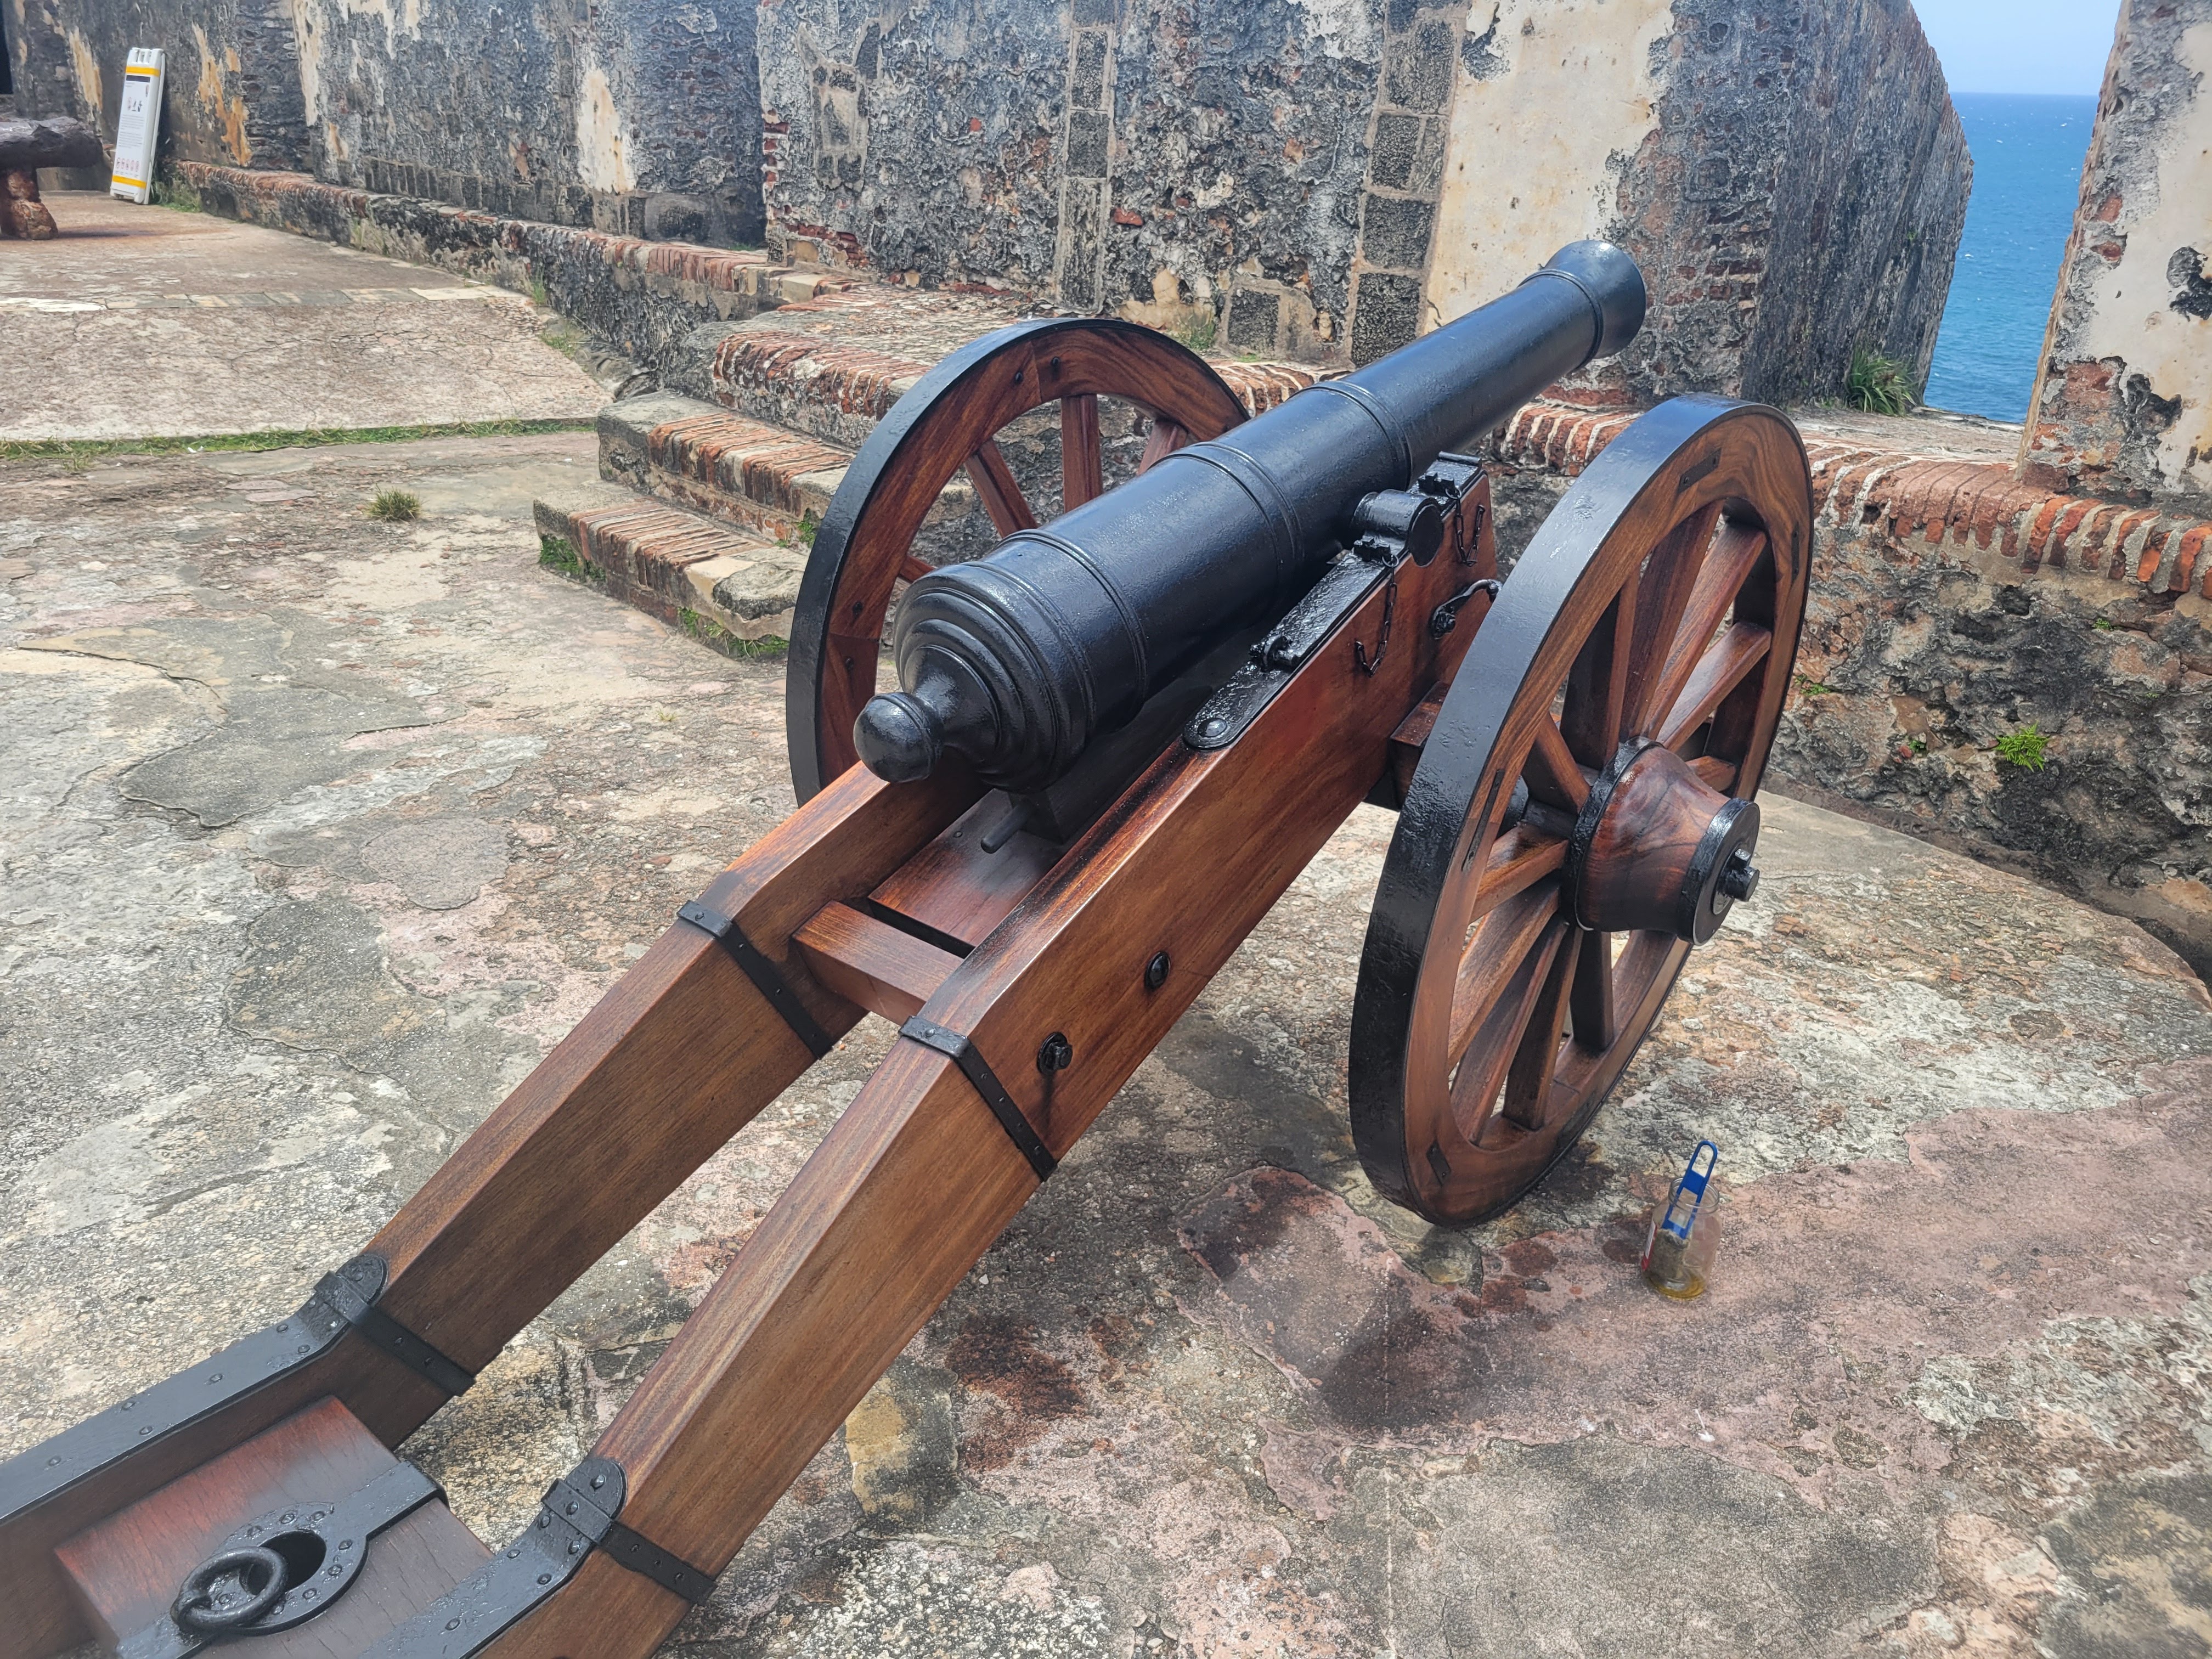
2027	174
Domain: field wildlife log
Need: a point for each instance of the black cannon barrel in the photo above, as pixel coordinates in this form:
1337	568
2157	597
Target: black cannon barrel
1019	659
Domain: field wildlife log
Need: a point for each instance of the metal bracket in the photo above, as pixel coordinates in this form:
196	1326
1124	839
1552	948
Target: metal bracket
766	979
169	1408
1229	711
343	1292
1445	617
575	1516
312	1554
977	1070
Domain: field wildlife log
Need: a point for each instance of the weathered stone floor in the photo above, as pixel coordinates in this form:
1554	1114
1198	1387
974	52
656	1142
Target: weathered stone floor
319	831
148	319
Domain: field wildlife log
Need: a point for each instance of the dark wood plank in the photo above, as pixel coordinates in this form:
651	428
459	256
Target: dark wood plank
1596	707
1528	1098
1662	593
872	964
1552	774
1518	859
128	1567
1410	737
1504	941
1488	1058
1718	671
1735	553
1596	1020
1164	439
1082	456
1001	495
956	887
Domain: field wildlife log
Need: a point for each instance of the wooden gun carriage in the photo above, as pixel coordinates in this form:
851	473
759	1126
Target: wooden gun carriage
1115	740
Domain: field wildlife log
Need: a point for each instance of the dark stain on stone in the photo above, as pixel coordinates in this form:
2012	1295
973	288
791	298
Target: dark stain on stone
1000	1356
2141	1548
1331	1303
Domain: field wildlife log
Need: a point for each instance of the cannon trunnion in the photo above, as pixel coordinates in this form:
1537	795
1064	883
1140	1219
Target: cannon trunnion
1117	739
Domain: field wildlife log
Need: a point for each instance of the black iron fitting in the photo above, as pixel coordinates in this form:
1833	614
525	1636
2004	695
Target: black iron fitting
1445	617
577	1515
970	1059
281	1569
767	978
344	1291
147	1419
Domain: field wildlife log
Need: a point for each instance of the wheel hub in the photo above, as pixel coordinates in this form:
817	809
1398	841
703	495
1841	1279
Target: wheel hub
1656	849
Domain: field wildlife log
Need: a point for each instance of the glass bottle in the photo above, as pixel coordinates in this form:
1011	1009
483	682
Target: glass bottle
1686	1235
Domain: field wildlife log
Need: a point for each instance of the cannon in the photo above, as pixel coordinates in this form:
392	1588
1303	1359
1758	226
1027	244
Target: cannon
1112	741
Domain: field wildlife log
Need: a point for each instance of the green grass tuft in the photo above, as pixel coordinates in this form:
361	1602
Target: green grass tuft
173	192
1877	384
396	507
560	555
69	449
2024	748
708	631
1197	333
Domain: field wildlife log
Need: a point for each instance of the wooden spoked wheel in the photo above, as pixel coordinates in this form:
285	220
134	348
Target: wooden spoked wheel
1580	813
948	423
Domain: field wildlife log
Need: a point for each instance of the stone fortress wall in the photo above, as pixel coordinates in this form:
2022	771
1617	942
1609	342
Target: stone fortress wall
1312	182
637	116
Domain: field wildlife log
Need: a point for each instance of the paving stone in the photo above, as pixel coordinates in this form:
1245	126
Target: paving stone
145	320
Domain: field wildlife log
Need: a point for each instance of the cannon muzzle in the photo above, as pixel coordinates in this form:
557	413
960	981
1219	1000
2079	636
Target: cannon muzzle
1018	659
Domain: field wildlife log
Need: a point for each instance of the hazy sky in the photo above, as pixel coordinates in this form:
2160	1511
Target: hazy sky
2021	46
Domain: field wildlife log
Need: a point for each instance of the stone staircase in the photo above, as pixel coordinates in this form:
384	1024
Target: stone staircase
710	487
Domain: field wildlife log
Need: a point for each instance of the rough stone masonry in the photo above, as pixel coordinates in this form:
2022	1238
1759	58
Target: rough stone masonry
2123	406
1324	181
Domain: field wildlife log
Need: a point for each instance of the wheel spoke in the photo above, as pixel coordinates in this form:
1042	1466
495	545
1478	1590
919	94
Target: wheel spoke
1002	497
1082	460
1736	552
1166	438
1493	1045
1669	577
912	569
1597	1022
1518	859
1551	770
1597	685
1537	1056
1718	671
1501	945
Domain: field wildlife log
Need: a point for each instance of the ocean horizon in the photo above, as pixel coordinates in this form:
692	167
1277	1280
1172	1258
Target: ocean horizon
2028	151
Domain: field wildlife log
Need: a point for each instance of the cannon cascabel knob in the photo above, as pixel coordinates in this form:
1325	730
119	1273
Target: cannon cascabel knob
899	736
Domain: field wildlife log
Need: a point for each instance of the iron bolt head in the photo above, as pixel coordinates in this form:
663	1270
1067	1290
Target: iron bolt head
1055	1054
1740	876
1155	971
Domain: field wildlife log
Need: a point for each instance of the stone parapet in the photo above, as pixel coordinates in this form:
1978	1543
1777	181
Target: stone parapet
2022	673
1939	500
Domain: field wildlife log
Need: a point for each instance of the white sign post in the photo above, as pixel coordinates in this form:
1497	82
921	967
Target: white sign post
138	125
